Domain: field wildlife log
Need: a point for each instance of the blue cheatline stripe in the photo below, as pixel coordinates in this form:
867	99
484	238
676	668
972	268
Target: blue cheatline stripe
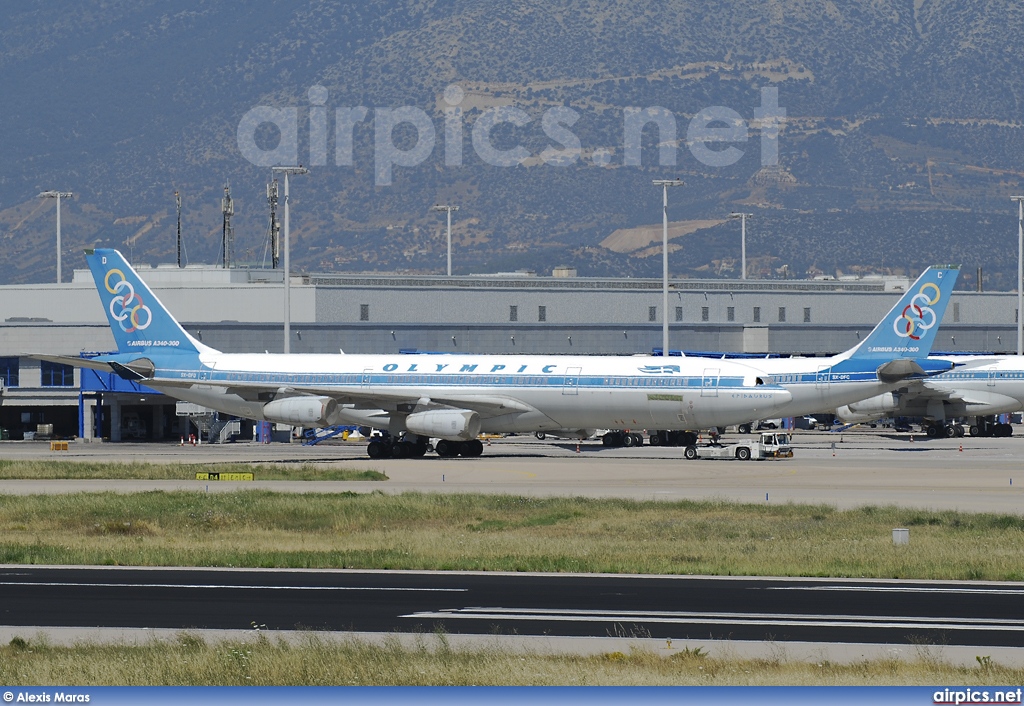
510	381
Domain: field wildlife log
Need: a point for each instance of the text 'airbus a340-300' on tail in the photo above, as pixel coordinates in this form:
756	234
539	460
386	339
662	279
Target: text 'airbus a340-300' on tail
454	398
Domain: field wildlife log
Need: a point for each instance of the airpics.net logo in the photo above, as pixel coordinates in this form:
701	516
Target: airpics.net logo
711	135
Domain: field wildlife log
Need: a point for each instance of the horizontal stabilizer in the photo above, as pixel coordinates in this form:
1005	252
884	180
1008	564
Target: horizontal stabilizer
126	373
903	368
74	361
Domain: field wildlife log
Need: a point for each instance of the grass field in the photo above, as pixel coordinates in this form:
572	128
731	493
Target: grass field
504	533
318	660
55	470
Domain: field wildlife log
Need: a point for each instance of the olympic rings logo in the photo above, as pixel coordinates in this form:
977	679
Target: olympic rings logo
126	307
917	316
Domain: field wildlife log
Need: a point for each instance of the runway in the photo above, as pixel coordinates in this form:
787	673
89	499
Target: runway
560	605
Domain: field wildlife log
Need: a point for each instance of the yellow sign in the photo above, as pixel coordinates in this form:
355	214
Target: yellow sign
224	476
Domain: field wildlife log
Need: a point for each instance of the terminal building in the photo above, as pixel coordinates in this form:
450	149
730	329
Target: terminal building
239	310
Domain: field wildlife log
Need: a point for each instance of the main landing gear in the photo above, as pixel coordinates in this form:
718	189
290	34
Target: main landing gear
657	438
987	426
949	431
389	448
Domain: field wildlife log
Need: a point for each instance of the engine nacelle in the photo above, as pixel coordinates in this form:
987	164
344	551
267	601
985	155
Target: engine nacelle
879	405
844	415
450	424
302	411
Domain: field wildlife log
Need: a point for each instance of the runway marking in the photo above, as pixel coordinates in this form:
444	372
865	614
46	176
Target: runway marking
902	589
687	618
69	584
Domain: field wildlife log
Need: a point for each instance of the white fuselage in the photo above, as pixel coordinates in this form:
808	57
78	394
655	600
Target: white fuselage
512	393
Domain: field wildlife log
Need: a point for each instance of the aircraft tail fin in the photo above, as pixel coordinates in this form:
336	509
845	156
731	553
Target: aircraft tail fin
139	322
908	330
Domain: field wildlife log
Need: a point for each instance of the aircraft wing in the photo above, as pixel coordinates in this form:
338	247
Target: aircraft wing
368	398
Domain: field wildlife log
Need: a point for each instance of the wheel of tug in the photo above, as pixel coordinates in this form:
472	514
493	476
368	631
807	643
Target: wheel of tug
471	448
690	453
743	453
377	449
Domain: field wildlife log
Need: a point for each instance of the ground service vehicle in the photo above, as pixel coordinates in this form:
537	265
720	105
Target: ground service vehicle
767	445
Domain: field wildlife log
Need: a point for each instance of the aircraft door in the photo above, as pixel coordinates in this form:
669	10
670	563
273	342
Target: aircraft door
991	378
709	382
571	385
366	376
822	378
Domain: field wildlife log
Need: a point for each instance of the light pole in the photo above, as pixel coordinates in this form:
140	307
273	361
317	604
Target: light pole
743	241
57	195
287	274
449	209
664	184
1020	273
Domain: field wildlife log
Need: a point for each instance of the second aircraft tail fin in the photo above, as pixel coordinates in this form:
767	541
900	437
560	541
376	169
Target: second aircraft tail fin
908	330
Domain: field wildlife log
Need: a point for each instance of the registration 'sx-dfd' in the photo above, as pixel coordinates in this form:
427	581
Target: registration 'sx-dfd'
415	397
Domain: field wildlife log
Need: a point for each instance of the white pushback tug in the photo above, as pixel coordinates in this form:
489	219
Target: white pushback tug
768	445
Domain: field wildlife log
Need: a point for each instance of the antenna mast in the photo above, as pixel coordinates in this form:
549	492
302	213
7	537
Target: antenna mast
177	201
227	207
275	227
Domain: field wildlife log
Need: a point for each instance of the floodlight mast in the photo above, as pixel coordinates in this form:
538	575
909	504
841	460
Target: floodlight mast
664	184
743	241
177	202
57	195
287	171
449	208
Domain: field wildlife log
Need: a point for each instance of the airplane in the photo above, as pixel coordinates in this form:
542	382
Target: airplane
415	397
981	386
893	355
456	397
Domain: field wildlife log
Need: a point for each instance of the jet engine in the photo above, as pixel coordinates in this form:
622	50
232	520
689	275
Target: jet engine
869	409
450	424
302	411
